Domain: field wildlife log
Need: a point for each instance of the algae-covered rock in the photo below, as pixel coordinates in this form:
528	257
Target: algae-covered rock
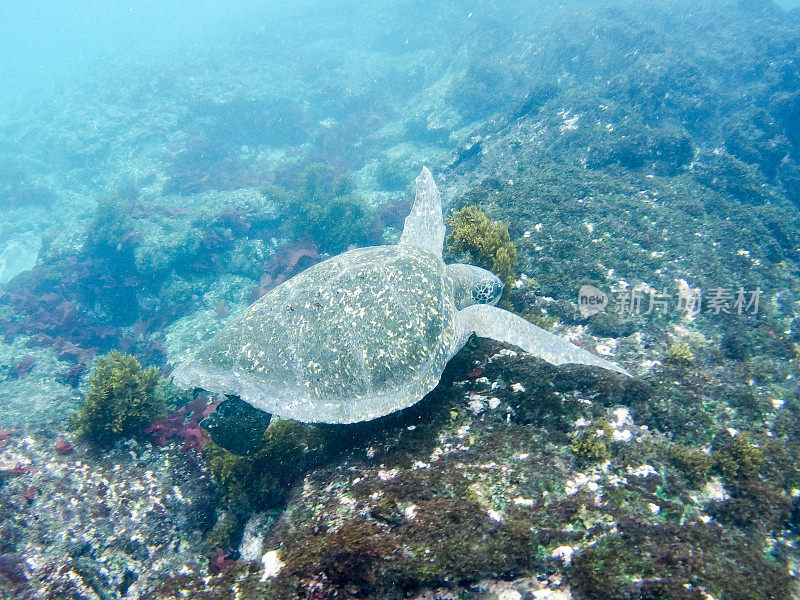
645	561
592	442
263	479
324	210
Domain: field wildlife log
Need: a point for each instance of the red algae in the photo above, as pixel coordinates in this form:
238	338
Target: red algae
63	447
184	424
4	435
220	562
30	494
474	373
18	469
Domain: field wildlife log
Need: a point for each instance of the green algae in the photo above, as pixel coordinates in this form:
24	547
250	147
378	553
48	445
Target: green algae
735	456
592	442
263	481
224	532
420	530
693	463
122	399
487	241
449	540
758	480
680	353
416	528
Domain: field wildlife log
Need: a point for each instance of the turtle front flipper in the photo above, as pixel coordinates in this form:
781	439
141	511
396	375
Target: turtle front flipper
498	324
237	426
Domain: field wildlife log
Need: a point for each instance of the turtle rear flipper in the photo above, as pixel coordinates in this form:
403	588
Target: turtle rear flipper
424	226
237	426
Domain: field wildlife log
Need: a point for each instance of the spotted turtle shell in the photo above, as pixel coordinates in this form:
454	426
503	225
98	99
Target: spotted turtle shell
352	338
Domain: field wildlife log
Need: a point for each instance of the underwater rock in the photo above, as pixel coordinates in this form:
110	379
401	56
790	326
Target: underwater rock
220	562
236	426
17	190
510	468
22	368
4	435
13	567
725	173
789	176
290	258
17	255
608	324
324	211
15	470
467	150
104	521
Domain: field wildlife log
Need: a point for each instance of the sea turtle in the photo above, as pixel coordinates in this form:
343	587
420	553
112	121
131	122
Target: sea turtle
365	333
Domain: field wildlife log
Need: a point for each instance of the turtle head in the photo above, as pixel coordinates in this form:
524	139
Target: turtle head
473	285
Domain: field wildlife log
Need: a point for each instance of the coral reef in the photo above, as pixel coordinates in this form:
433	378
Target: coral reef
121	401
200	167
48	304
